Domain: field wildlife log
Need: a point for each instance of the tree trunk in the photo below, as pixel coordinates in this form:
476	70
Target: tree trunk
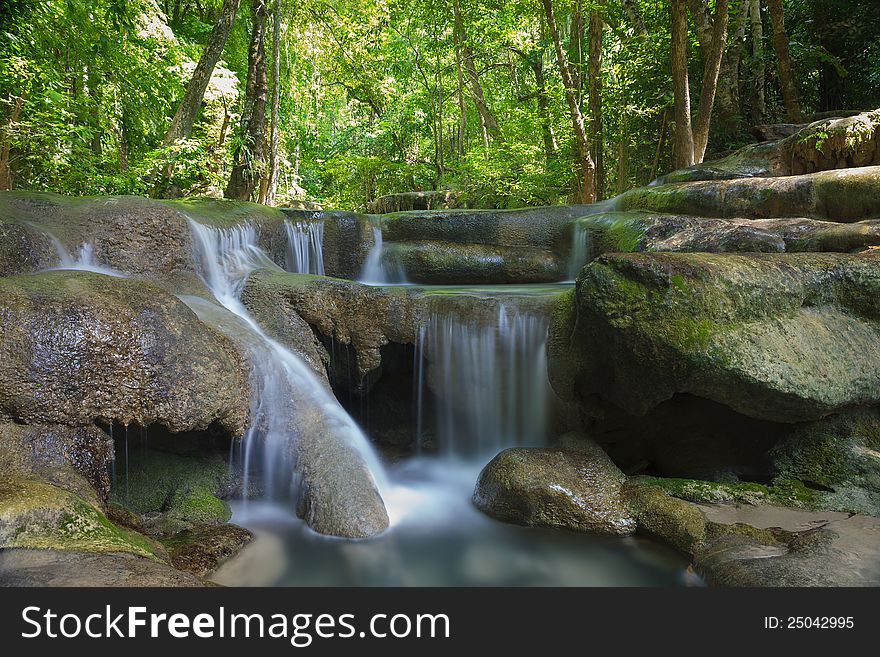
274	132
488	122
462	106
248	157
711	70
664	122
728	98
594	84
758	78
550	145
94	111
623	157
6	145
787	82
185	117
684	136
576	48
586	165
702	24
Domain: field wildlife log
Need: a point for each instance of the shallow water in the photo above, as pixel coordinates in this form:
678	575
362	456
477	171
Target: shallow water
439	539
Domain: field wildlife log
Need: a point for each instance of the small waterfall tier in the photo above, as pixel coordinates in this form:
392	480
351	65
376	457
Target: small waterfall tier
305	246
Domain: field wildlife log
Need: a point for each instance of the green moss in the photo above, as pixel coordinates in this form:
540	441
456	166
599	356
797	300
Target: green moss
200	506
184	487
671	519
709	492
36	514
792	492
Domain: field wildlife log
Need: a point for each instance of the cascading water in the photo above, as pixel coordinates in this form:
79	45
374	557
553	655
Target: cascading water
284	389
580	249
305	246
489	378
376	270
85	260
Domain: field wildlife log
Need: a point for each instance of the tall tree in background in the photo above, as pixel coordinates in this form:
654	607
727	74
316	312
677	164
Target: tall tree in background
728	98
249	154
182	123
758	77
594	89
684	134
488	122
587	192
691	141
787	84
270	188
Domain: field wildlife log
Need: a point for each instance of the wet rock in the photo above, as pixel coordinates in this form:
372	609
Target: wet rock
783	338
540	228
622	232
25	567
837	458
203	548
73	458
764	545
131	234
846	195
79	347
834	143
362	317
449	263
575	489
36	514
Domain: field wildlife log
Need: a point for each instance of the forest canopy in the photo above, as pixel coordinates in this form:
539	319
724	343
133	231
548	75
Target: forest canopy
339	102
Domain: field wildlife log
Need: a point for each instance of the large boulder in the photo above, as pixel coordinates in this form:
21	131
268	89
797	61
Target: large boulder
141	236
577	489
845	195
622	232
79	348
451	263
784	338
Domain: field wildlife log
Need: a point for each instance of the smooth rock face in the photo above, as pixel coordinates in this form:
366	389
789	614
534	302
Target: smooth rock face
616	232
574	489
79	347
748	331
22	567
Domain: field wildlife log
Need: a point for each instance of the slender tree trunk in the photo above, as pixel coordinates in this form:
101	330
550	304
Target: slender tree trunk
623	157
94	111
576	48
248	158
664	123
462	106
711	70
550	145
702	24
6	144
586	165
758	77
787	82
684	136
488	122
594	84
185	117
274	132
728	98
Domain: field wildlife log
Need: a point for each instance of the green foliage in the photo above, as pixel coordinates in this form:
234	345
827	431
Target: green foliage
376	97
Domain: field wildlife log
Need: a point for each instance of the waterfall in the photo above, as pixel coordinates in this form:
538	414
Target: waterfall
376	270
305	246
85	260
285	394
580	250
489	378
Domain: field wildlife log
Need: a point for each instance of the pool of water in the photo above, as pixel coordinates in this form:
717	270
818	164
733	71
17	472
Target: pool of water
438	538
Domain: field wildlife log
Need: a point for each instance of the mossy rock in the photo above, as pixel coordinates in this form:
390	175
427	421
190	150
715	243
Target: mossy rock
35	514
202	548
80	348
775	337
575	489
182	490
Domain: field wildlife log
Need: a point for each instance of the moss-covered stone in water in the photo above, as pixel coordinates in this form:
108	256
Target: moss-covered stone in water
34	514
